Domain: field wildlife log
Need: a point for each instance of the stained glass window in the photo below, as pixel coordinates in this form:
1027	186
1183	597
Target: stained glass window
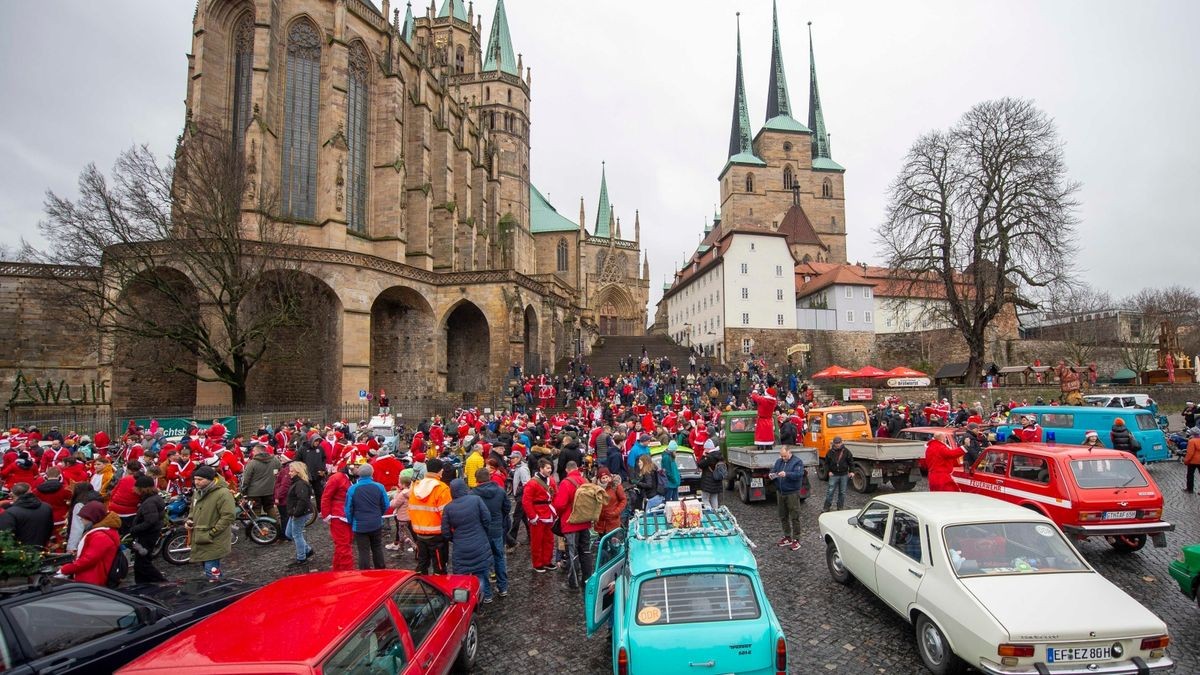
243	63
301	111
356	138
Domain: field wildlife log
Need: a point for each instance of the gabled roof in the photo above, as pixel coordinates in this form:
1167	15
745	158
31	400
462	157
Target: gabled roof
841	276
799	229
454	7
711	253
500	55
888	283
543	217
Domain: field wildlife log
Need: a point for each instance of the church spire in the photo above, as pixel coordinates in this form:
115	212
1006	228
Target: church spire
741	150
816	118
453	8
778	102
604	212
499	54
407	31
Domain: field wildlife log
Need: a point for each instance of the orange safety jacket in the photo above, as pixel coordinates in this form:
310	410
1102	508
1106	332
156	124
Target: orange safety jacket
425	503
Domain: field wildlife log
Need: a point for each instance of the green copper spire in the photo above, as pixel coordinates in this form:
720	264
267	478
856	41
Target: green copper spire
453	7
500	55
604	212
407	31
816	118
740	149
777	96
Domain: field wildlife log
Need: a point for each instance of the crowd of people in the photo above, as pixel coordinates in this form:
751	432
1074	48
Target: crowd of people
571	461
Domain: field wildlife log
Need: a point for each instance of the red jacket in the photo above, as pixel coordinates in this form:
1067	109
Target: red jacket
100	443
942	459
333	497
57	495
50	457
564	499
97	549
387	471
13	474
535	499
75	473
124	499
283	483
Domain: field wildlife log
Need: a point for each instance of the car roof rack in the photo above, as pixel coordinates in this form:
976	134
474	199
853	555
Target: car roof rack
652	525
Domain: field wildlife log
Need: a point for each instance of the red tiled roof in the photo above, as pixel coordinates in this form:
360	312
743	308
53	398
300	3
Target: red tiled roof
886	282
845	275
799	229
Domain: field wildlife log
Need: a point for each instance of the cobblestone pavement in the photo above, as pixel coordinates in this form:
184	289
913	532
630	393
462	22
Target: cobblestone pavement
539	628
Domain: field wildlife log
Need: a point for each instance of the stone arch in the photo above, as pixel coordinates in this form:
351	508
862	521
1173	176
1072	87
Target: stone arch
144	374
615	311
302	366
402	344
533	361
466	347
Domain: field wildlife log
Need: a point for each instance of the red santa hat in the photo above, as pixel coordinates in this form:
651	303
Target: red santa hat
771	391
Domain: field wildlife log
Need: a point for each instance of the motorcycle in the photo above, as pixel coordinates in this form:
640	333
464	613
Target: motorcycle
1177	441
176	540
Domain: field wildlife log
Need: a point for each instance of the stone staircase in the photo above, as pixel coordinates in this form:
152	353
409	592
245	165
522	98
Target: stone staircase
606	355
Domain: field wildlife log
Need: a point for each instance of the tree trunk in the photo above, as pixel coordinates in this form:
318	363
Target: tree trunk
975	343
239	395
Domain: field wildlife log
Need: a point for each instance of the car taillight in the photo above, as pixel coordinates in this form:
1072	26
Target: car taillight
780	655
1015	650
1156	642
622	662
1091	515
1156	514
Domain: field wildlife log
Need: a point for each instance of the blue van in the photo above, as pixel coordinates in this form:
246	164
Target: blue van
1069	423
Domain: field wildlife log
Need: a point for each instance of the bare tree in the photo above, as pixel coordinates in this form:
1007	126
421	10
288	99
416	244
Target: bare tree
1074	306
185	256
1175	309
982	215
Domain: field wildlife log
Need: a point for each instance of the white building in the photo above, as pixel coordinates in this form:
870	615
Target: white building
846	297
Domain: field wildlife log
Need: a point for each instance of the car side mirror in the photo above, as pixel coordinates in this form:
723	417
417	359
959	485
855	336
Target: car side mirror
855	521
461	595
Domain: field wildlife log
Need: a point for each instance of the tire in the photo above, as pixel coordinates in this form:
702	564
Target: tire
743	488
176	549
263	530
904	484
837	568
313	511
468	650
822	474
1127	543
935	649
861	480
924	473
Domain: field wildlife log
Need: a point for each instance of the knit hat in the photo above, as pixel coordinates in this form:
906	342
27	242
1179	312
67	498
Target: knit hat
1119	423
143	481
1091	434
602	472
205	472
93	512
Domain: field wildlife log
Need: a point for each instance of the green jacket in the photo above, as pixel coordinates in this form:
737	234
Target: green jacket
671	468
213	511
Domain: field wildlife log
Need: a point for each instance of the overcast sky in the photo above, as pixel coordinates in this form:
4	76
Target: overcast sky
647	87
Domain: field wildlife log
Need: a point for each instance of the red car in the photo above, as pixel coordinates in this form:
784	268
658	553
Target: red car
385	621
947	435
1087	492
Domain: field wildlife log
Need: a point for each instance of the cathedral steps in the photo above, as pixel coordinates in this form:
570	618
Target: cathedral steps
606	355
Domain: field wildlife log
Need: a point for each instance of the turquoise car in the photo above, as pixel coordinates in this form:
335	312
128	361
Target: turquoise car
683	600
1186	572
1068	424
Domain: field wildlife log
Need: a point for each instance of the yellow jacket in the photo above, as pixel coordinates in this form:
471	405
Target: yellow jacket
473	463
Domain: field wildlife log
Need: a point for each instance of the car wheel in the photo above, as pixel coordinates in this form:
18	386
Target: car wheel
468	650
263	531
1127	543
861	480
176	549
837	567
902	484
935	649
743	488
822	474
924	473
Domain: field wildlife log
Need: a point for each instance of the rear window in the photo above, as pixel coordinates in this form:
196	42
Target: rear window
1146	422
1058	420
1107	473
695	598
846	419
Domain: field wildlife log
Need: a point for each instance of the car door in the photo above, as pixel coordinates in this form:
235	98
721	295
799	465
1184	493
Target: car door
1031	481
864	542
599	592
78	630
375	646
901	565
424	610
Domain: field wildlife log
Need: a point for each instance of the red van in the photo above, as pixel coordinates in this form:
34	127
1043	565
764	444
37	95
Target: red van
1088	492
332	622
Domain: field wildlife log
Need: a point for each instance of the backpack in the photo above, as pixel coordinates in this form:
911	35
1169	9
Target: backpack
119	568
718	471
589	500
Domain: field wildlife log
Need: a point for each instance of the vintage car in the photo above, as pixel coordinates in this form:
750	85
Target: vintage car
1186	571
992	586
374	621
1069	424
68	627
947	435
689	471
683	599
1086	492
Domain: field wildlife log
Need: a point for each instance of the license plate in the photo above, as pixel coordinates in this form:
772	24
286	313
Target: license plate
684	488
1069	654
756	482
876	473
1119	515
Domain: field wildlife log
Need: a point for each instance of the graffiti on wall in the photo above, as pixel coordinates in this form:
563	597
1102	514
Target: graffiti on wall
31	391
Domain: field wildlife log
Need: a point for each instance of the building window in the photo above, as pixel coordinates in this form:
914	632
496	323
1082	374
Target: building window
751	246
827	189
787	146
849	291
778	293
849	316
745	293
747	344
745	318
778	319
487	93
745	268
866	317
779	270
562	256
788	179
356	138
749	182
866	291
300	115
510	95
243	63
460	60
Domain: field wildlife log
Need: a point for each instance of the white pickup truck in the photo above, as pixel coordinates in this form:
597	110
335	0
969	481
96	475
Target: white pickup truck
884	460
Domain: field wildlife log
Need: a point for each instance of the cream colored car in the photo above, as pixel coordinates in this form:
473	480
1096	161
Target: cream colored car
991	585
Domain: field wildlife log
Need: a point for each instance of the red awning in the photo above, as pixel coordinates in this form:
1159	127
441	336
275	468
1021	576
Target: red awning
833	372
869	372
904	371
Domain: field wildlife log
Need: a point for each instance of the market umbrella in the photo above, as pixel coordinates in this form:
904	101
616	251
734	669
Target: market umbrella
833	372
904	371
869	372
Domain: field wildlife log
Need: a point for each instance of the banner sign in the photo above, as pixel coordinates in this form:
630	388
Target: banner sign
858	394
175	427
908	382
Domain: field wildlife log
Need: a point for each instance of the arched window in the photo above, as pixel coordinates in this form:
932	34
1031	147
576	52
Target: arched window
827	189
487	93
460	60
356	137
749	182
563	260
243	63
788	179
300	113
510	95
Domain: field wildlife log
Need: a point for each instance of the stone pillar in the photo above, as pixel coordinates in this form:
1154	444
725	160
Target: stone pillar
356	354
212	393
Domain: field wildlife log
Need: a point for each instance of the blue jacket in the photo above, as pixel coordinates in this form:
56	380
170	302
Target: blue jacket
498	505
794	468
465	522
636	451
671	468
366	502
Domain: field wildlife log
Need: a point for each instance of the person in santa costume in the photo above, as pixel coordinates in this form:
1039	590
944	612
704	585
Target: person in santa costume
942	460
764	424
